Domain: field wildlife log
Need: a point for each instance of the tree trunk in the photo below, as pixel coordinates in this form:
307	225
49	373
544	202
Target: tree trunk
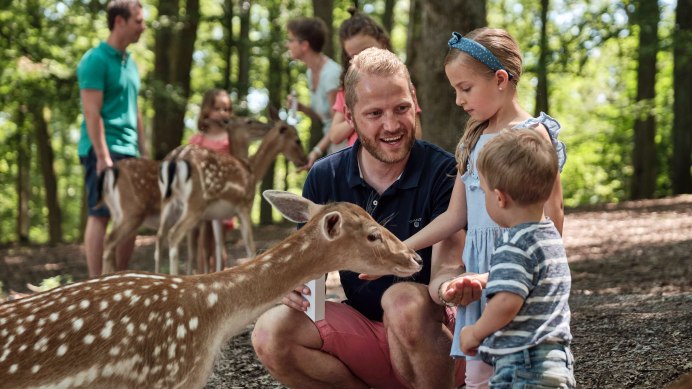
644	152
388	15
244	45
413	36
175	41
23	144
324	9
183	49
542	71
227	24
164	137
443	121
682	106
276	73
45	157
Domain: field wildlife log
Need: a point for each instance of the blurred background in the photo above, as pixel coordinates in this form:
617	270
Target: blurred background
616	74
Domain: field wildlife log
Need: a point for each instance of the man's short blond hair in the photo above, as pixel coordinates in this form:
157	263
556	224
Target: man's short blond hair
372	61
520	163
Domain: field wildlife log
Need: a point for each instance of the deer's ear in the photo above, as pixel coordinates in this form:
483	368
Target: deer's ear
331	225
295	208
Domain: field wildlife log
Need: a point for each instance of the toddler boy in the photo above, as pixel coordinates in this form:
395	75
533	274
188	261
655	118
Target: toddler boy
524	330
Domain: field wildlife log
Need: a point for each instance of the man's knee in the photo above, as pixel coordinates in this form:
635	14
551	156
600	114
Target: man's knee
406	302
274	336
407	312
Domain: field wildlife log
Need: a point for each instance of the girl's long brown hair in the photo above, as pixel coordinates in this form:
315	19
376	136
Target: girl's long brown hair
506	50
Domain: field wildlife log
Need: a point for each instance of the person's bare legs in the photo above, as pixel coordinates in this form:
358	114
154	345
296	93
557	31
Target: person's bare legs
288	344
419	343
94	234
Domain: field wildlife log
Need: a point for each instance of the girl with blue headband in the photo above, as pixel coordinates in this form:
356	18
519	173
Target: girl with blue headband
484	68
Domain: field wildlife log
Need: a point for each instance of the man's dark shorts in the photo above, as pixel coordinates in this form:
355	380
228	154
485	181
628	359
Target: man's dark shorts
91	182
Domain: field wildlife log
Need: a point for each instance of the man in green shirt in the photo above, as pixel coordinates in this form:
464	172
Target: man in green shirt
112	127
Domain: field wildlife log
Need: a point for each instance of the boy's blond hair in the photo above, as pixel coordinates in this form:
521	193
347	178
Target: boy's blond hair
520	163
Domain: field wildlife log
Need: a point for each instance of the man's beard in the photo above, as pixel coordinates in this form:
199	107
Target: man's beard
373	147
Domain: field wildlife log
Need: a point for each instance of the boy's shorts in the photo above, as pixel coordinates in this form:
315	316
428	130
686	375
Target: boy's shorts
545	366
91	182
361	344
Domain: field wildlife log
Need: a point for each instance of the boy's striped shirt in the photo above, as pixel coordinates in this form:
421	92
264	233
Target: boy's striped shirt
530	261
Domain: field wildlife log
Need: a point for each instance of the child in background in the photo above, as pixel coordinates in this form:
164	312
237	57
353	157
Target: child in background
524	330
483	68
356	34
215	110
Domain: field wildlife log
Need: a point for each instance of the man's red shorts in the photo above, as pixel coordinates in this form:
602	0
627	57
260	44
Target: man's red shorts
361	344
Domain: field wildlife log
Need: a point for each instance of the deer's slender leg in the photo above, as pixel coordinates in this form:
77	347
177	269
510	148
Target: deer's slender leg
125	229
246	232
217	228
188	220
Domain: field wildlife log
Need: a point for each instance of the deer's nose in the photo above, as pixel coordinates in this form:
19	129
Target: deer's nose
417	259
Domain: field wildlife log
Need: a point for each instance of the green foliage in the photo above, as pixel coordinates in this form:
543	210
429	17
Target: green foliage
54	282
592	83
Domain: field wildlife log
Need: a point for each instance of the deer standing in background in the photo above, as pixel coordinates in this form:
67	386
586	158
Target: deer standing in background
199	184
131	191
142	330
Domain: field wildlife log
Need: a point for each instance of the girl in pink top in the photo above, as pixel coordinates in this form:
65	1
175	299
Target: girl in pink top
215	110
356	34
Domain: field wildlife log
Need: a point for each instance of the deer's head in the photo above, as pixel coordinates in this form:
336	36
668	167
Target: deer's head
286	138
350	235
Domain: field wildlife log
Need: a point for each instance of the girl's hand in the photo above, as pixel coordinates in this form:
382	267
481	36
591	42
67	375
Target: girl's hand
469	342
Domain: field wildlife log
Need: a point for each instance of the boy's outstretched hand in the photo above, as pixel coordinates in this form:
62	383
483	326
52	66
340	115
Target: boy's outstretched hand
469	342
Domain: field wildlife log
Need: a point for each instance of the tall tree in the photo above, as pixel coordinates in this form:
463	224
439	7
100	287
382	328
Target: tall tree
244	46
682	106
388	15
276	70
643	185
542	70
23	186
175	42
229	42
50	182
324	9
413	36
443	121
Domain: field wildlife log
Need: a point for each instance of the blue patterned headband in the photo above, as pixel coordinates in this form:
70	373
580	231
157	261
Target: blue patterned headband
477	51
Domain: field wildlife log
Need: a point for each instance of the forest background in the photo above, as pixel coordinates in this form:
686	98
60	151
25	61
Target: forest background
616	74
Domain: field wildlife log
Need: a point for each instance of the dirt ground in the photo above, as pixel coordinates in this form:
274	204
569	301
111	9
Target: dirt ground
631	294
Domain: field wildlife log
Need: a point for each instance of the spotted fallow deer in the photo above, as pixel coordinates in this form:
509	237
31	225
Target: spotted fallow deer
131	191
142	330
202	185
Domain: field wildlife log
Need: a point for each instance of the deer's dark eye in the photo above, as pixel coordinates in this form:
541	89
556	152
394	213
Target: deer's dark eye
374	236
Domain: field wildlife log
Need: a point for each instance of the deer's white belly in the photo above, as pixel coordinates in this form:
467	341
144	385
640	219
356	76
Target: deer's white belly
219	209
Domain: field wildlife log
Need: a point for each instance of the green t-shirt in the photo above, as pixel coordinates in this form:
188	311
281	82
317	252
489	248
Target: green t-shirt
115	74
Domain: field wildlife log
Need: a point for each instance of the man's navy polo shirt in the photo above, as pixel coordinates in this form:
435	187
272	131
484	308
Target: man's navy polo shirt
409	204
